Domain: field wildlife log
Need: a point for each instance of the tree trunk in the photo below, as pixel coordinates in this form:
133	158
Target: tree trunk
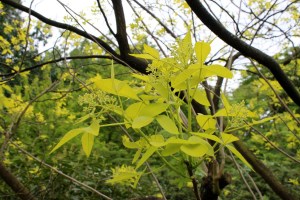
20	190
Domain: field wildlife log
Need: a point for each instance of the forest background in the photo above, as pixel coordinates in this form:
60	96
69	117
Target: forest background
150	100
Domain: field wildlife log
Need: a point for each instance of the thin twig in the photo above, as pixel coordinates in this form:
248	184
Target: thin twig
60	172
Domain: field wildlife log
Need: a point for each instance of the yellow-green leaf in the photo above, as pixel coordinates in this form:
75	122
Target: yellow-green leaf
157	140
133	110
128	144
116	87
217	70
137	155
93	128
87	143
141	121
208	136
200	96
171	149
228	138
161	89
151	51
195	150
153	109
182	76
68	136
146	156
206	121
167	124
202	50
226	104
239	155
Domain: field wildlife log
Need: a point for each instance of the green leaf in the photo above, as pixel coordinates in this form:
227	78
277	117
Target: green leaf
208	136
228	138
87	143
185	48
157	140
153	109
217	70
116	87
200	96
206	121
133	110
128	144
226	104
146	156
93	128
195	150
151	51
171	149
68	136
137	155
239	155
223	112
202	50
181	77
141	121
161	89
167	124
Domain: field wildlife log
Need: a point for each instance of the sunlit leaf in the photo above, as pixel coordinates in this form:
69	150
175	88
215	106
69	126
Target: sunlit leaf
202	50
200	96
141	121
153	109
217	70
167	124
133	110
128	144
116	87
161	89
87	143
171	149
181	77
146	156
157	140
225	102
239	155
136	155
93	128
206	121
228	138
151	51
68	136
195	150
208	136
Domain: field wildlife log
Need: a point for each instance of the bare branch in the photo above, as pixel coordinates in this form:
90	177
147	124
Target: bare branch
245	49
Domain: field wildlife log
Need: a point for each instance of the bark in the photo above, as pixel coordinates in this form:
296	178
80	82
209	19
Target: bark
15	184
264	172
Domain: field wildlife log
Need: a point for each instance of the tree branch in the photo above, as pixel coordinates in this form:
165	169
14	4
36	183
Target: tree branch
245	49
137	64
15	184
263	171
55	61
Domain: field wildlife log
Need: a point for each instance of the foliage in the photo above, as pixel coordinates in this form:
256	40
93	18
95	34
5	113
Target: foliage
140	132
